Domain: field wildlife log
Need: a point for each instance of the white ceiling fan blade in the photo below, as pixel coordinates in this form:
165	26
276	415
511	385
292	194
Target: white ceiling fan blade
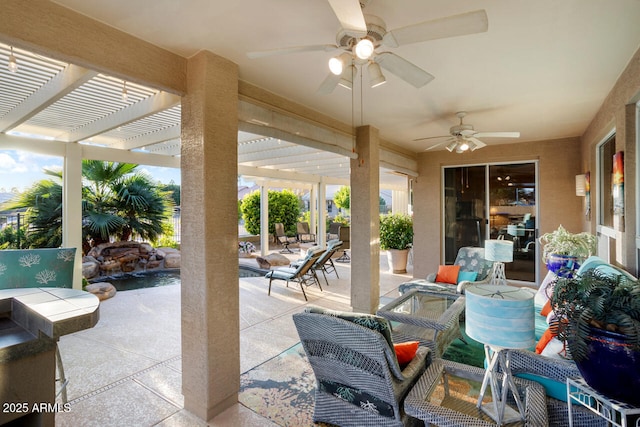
432	137
349	13
450	26
294	49
497	135
404	69
329	84
477	142
435	146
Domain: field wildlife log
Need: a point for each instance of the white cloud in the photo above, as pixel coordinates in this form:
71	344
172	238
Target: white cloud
7	163
21	169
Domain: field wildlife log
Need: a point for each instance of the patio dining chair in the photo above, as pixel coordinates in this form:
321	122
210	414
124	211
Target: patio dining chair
282	238
302	274
303	232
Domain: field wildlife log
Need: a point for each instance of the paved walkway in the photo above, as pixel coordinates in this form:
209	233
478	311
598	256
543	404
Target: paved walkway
126	371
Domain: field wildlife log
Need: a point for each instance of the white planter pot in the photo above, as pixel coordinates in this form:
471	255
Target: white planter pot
397	259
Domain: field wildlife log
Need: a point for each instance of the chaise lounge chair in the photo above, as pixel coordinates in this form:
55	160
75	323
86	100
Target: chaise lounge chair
325	262
303	273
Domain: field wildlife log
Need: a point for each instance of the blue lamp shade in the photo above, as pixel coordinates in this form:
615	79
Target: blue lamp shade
500	316
498	250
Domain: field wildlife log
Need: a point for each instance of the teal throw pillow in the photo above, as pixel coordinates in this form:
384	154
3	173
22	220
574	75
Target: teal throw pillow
467	275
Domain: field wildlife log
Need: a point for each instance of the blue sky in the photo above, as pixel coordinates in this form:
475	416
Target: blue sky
20	169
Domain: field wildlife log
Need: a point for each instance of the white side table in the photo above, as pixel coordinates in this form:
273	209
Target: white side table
615	412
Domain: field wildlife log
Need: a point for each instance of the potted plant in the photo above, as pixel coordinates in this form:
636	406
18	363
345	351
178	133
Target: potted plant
396	237
245	249
599	319
563	252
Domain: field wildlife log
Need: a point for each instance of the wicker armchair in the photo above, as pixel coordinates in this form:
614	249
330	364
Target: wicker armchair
532	366
358	379
470	259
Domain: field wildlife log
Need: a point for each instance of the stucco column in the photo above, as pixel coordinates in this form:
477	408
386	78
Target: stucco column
209	273
365	224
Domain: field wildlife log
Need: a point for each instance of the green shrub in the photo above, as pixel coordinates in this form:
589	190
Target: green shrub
283	207
396	231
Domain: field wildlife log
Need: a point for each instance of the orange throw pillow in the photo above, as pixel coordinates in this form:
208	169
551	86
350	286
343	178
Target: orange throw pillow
405	351
544	340
448	274
546	309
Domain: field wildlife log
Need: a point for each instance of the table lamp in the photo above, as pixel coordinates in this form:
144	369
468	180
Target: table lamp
502	318
498	251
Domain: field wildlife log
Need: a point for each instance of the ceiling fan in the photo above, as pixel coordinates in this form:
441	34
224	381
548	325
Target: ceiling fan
363	38
463	137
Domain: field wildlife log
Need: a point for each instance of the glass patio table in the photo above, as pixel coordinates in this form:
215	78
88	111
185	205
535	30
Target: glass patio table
430	317
447	395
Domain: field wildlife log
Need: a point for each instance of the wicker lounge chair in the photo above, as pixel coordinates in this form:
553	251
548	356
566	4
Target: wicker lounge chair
358	379
470	259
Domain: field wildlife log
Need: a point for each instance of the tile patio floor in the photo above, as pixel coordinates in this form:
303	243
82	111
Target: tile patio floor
126	371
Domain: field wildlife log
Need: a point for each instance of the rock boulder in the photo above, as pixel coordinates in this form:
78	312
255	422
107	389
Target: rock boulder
103	290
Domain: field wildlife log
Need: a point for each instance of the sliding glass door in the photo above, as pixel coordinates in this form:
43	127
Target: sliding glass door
496	201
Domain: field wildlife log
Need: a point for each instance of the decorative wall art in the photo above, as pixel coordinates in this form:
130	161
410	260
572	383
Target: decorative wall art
587	198
618	183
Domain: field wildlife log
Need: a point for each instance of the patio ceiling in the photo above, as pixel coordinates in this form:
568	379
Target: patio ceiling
52	100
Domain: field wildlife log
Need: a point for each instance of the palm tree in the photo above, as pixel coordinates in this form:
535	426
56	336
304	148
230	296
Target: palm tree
44	209
142	205
117	202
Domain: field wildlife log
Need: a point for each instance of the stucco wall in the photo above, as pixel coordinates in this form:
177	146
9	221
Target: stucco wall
618	112
559	163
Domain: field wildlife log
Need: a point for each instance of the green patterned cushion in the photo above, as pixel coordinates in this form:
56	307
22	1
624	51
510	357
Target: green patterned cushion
371	321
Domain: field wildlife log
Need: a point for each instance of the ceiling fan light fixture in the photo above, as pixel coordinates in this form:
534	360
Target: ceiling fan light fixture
452	146
13	64
472	145
346	79
376	78
464	146
364	49
335	65
338	63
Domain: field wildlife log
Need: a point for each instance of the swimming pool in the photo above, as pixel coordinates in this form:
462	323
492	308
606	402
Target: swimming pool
152	279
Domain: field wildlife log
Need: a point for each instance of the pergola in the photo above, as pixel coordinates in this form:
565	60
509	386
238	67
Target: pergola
47	106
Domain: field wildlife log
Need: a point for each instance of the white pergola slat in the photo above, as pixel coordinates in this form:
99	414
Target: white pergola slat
64	103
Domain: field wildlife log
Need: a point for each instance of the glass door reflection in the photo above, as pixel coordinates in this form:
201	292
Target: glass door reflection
512	215
492	201
465	208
